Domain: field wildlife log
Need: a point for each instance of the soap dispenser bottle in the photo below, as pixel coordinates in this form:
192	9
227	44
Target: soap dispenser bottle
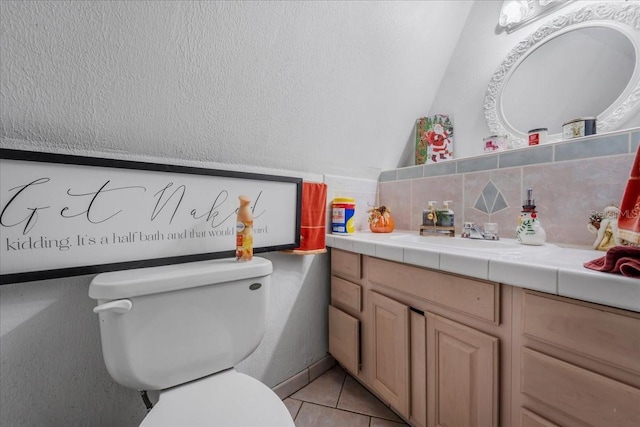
429	215
529	231
445	215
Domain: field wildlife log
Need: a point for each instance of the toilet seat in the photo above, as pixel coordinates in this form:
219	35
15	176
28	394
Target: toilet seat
226	399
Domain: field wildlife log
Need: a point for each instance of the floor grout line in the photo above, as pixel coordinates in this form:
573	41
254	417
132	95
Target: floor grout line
340	393
347	410
344	379
298	411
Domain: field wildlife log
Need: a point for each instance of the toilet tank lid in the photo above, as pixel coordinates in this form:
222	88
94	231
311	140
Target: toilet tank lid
166	278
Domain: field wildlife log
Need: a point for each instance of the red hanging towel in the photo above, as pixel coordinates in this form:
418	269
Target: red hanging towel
629	220
313	219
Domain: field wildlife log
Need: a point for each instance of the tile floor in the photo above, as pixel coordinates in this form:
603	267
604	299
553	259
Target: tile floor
335	399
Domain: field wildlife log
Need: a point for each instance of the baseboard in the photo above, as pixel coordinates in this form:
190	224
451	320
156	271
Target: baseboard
289	386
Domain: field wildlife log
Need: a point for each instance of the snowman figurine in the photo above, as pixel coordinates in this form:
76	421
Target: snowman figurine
529	231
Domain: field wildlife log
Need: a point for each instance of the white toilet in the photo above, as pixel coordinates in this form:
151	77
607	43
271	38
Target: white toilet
180	329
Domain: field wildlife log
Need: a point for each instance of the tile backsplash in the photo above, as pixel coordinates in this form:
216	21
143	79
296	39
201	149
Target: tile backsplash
570	180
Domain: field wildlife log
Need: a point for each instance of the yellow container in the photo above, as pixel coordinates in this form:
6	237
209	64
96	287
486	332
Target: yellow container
343	215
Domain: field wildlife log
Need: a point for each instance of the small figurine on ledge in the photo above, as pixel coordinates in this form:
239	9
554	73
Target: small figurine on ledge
605	227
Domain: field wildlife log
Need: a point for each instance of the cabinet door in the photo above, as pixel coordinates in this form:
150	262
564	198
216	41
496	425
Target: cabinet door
344	339
462	375
390	352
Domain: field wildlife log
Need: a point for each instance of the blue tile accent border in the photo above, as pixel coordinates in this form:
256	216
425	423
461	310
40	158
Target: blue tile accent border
438	169
621	142
410	173
476	164
391	175
542	154
592	147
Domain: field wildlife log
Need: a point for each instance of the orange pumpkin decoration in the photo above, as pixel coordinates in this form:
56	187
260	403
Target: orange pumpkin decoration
380	220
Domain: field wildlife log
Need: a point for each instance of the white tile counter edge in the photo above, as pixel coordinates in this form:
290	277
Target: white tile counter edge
555	270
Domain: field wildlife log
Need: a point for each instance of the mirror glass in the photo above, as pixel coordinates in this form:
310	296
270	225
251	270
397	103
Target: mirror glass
584	63
579	73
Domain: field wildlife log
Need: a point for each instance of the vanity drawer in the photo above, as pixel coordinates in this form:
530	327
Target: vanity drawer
582	394
344	339
607	335
475	298
346	295
529	419
346	264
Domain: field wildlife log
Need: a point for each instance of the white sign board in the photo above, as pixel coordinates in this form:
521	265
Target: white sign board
69	215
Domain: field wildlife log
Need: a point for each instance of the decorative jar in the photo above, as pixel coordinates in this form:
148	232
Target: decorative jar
380	220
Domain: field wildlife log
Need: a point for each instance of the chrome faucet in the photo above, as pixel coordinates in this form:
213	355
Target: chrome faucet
473	231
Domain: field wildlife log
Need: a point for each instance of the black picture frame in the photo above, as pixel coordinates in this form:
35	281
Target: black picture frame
281	204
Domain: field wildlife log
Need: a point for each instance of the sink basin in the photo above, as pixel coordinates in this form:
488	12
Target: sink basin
456	242
506	247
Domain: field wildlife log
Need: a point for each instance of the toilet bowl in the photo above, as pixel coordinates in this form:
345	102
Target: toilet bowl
225	399
180	329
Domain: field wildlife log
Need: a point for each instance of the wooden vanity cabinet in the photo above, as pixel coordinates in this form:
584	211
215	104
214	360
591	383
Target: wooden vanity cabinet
579	363
420	330
455	330
447	350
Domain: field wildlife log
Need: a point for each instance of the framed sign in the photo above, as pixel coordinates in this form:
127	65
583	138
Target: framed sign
63	215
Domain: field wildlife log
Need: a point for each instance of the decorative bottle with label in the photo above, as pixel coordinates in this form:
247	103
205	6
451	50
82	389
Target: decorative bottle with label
429	215
244	231
445	215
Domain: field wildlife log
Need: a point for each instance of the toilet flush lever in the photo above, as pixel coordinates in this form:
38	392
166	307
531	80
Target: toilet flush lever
119	306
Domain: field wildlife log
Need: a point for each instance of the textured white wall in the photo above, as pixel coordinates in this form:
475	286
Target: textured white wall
300	88
52	372
475	58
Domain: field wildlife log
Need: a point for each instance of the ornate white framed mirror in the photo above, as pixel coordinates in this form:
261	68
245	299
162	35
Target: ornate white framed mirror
585	62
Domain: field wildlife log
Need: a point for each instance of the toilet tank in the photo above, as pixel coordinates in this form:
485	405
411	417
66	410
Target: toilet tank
168	325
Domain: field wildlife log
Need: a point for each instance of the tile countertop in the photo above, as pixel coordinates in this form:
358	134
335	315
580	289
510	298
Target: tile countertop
549	268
